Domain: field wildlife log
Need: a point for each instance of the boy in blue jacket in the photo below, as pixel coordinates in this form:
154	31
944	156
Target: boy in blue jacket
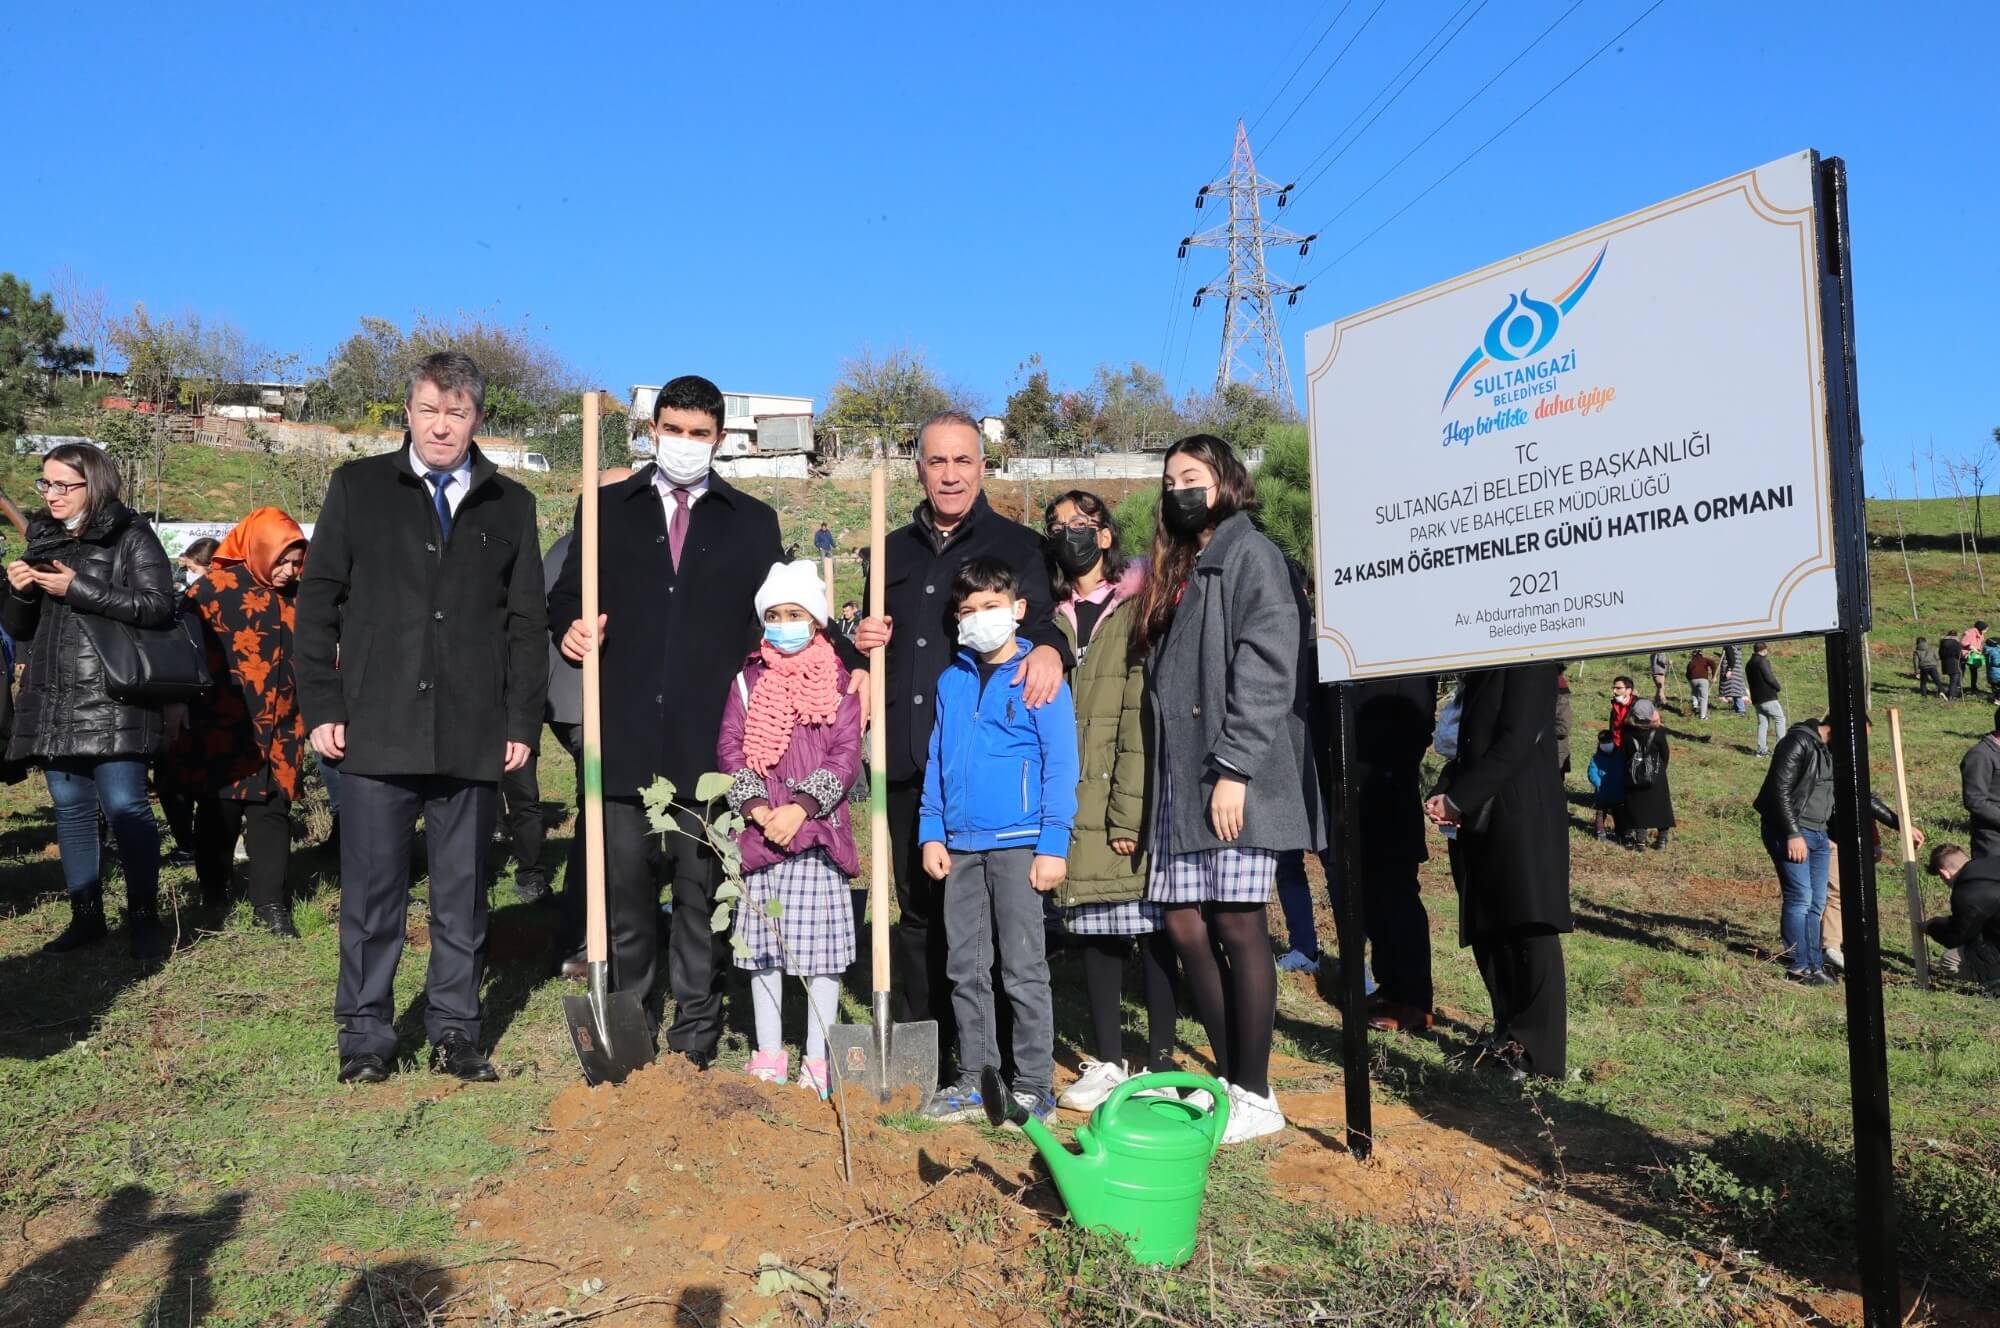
1607	779
999	797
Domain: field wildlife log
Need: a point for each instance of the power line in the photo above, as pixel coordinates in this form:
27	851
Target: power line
1296	68
1498	134
1315	177
1324	72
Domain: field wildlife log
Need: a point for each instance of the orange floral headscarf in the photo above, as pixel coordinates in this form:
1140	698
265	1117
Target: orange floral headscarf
259	540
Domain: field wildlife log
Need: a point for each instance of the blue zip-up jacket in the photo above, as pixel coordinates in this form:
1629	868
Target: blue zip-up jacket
999	775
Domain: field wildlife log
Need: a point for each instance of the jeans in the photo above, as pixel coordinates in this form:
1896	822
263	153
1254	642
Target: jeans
1295	898
1699	686
78	788
1804	891
1927	678
990	906
1770	715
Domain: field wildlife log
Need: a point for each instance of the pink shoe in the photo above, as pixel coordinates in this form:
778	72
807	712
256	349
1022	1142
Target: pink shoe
769	1066
812	1075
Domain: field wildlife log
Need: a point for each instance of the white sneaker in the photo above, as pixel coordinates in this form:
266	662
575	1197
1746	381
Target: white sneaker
1092	1086
1297	961
1835	960
1251	1116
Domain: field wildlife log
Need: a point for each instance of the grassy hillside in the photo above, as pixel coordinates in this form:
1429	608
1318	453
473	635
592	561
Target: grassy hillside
175	1150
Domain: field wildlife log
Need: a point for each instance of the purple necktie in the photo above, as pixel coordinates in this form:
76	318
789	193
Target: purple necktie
677	526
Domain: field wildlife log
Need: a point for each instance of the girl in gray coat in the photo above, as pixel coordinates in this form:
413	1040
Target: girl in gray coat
1234	779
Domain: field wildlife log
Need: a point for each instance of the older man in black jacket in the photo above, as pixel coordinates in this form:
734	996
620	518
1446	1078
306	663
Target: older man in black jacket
952	526
682	553
421	669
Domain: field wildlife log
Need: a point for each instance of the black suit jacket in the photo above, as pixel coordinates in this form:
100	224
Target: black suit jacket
674	640
918	597
431	651
1513	875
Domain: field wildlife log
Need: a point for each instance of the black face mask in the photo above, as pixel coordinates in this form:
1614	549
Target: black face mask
1076	551
1185	511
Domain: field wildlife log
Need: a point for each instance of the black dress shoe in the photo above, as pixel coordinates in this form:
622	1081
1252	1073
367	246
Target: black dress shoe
701	1060
575	968
454	1054
367	1068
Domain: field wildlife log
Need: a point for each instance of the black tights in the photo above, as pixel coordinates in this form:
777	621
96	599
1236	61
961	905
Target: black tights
1225	953
1104	980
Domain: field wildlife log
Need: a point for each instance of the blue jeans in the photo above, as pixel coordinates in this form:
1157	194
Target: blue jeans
1804	891
1295	898
78	788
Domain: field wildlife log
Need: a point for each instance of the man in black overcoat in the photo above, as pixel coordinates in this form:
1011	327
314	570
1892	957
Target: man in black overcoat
681	553
421	662
950	527
1512	859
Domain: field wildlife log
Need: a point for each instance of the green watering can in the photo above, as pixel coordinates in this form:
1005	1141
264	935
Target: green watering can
1143	1164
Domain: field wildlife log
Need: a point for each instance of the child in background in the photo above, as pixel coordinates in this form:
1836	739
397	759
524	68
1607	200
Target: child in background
998	806
1607	779
791	740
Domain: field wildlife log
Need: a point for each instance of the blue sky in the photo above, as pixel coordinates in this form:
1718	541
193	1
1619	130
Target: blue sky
754	191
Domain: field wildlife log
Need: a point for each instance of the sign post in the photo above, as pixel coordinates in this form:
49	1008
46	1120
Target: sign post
1505	464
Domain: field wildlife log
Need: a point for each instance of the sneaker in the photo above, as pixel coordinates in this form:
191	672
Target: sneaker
1093	1086
1808	979
1202	1098
1251	1116
1836	962
770	1066
812	1076
1037	1104
1298	961
957	1102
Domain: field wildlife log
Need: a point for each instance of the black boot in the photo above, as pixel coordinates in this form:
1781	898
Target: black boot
1660	840
142	914
86	921
277	919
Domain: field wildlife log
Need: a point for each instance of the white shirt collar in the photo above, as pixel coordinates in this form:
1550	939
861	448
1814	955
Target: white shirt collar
462	472
666	487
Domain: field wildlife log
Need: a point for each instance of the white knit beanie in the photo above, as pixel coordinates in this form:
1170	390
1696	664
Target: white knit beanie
796	582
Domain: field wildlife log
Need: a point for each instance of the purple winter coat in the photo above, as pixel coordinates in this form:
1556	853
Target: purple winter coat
815	772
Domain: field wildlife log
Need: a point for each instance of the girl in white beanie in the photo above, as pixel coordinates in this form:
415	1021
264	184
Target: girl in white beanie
791	739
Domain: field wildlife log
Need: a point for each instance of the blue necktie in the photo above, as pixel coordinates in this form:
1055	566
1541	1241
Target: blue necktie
440	480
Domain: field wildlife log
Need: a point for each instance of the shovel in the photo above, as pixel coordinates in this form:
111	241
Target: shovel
609	1030
889	1056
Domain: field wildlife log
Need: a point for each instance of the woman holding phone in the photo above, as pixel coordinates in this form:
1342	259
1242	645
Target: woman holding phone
89	555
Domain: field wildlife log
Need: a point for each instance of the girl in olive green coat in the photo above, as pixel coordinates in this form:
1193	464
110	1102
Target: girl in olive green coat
1103	899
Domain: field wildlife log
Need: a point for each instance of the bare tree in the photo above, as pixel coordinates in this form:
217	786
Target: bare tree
85	311
1896	506
1957	477
1958	509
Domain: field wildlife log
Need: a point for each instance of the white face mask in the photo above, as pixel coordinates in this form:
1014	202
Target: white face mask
987	630
683	461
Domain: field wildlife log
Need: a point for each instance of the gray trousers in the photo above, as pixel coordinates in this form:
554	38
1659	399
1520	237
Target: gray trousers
378	827
1699	686
1770	718
989	905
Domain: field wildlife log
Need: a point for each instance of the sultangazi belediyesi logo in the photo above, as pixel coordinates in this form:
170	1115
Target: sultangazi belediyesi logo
1514	343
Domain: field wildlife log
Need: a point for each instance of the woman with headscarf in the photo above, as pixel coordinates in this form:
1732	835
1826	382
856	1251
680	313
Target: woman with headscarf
238	749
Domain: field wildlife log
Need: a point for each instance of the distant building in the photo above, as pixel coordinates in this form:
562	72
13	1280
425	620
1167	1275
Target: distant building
993	429
790	419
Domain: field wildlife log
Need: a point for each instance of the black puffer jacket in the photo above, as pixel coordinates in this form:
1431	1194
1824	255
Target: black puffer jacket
122	573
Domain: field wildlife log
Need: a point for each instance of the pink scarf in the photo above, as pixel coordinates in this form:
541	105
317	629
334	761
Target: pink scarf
795	689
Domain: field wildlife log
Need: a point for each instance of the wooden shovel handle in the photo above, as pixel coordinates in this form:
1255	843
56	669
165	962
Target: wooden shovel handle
878	734
597	938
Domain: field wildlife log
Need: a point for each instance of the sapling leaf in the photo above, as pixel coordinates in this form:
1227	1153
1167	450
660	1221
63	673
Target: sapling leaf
774	908
718	921
711	786
728	890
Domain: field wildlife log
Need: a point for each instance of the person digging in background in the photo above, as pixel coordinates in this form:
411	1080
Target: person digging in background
1925	661
1103	894
1649	799
1972	928
791	743
995	821
238	750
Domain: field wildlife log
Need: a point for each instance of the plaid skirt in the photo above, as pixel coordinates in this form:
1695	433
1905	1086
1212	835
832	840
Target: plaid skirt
813	934
1128	917
1208	875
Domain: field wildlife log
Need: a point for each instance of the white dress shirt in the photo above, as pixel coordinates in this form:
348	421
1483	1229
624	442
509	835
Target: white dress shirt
666	487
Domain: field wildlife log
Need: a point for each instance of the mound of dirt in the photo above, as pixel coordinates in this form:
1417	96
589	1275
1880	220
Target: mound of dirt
722	1200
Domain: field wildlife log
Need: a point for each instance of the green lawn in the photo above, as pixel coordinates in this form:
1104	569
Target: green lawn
179	1134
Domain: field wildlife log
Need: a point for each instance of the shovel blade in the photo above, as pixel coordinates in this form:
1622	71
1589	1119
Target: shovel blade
912	1061
610	1049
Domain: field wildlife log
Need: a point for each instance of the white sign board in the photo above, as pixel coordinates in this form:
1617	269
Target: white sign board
175	536
1612	444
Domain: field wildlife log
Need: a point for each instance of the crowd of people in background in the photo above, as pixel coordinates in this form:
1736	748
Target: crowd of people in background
1114	753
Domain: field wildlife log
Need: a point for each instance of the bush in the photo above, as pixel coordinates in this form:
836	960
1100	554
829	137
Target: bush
1135	514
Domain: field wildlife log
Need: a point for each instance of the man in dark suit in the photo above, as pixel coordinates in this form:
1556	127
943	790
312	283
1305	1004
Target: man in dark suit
952	526
421	664
681	554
